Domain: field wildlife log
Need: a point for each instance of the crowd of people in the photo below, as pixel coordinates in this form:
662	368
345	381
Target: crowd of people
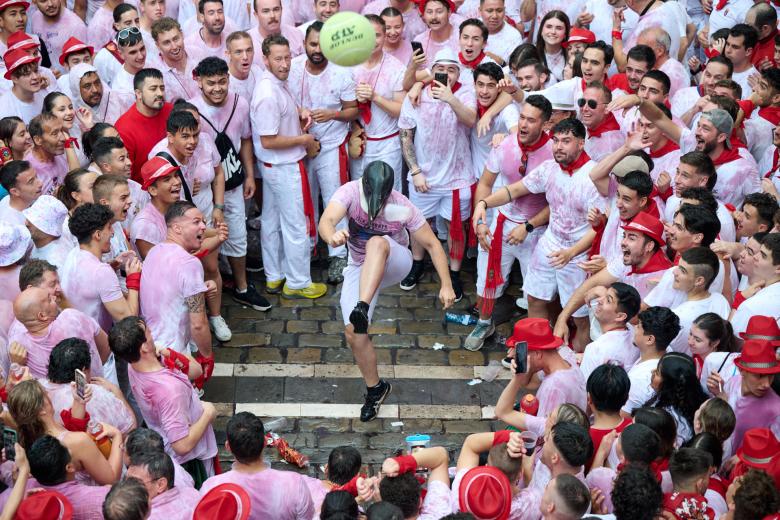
625	152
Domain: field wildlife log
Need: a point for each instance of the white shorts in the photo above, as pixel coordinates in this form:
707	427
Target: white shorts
439	203
544	281
387	150
235	218
520	252
397	266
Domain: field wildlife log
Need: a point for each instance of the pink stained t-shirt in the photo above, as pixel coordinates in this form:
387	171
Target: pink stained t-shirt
100	29
103	407
413	22
398	218
69	324
55	33
281	495
175	504
149	225
238	128
275	112
51	173
9	283
88	283
170	405
294	38
179	85
87	501
431	46
562	386
386	78
170	276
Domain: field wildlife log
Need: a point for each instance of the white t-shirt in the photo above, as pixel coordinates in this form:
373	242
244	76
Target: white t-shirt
55	252
690	310
765	302
88	283
615	346
640	376
123	81
504	42
10	105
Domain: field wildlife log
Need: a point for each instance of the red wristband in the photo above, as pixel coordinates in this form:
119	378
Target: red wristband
3	394
202	253
133	281
501	437
617	35
72	424
173	357
406	464
71	142
350	487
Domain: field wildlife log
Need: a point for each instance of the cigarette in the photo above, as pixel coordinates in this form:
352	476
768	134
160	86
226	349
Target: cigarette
720	387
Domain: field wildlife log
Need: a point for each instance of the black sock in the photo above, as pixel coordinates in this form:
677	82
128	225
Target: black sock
417	263
454	275
362	306
377	388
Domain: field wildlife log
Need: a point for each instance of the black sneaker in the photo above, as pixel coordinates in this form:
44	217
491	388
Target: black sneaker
254	265
359	318
251	298
374	399
410	282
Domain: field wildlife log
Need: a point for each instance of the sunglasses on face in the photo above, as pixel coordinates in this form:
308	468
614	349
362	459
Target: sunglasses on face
592	103
126	32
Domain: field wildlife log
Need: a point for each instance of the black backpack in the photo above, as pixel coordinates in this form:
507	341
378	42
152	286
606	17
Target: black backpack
231	163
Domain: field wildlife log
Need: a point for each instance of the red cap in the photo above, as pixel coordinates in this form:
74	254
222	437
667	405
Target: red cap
224	502
578	35
759	446
762	328
758	357
155	168
485	492
15	59
45	505
536	332
449	3
5	4
21	40
648	225
74	45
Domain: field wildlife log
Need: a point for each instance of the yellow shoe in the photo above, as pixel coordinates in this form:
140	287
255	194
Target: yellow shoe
274	287
315	290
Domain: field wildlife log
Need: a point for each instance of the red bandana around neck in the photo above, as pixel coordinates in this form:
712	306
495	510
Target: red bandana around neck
658	262
576	164
775	161
526	149
720	5
481	110
726	156
607	125
771	114
669	147
473	63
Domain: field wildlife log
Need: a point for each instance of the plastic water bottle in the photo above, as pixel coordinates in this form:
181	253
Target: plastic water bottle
461	319
17	371
275	425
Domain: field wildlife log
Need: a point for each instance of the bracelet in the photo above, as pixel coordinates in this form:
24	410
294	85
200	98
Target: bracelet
418	171
617	35
220	207
133	281
483	200
508	194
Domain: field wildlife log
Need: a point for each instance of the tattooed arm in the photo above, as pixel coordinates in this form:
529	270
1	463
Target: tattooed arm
199	323
407	148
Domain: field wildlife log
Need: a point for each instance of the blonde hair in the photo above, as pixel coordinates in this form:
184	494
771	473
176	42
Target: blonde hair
25	402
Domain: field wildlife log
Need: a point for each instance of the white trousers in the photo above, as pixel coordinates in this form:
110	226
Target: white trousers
509	253
387	150
235	218
325	177
283	235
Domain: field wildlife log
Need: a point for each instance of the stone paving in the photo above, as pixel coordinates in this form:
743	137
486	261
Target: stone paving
296	353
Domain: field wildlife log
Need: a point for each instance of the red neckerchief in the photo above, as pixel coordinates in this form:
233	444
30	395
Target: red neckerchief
747	107
771	114
575	164
736	142
481	110
114	50
620	81
726	156
677	257
473	63
775	160
670	146
456	87
607	125
584	85
721	4
718	486
657	262
526	149
364	108
652	208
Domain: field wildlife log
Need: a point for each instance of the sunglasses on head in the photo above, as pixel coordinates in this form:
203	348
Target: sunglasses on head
126	32
592	103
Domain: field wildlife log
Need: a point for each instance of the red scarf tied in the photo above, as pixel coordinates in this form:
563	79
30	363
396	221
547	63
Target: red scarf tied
576	164
471	64
726	156
607	125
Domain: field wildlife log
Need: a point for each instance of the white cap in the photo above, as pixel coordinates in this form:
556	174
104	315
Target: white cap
560	99
446	56
47	214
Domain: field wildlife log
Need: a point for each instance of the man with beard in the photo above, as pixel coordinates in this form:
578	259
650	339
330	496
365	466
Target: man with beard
133	52
210	39
640	60
144	124
530	75
409	9
519	224
269	23
74	51
440	34
684	101
604	133
280	146
570	193
226	114
660	42
54	23
328	92
25	99
176	65
244	73
47	156
380	222
737	171
90	92
503	37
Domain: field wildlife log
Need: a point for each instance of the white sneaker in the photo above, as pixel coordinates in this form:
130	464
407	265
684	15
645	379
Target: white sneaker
522	302
220	328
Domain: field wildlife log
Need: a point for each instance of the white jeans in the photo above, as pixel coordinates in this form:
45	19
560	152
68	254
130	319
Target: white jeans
235	218
283	235
325	176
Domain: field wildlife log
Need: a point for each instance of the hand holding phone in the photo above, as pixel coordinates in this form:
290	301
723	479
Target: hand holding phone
81	384
441	77
521	357
417	46
9	439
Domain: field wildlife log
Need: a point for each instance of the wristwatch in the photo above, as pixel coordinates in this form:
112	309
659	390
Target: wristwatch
529	227
220	207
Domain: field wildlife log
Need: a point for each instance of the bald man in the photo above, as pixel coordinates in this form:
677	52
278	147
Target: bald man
660	41
41	326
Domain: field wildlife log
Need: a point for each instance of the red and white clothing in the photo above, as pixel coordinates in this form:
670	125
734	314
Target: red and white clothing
643	279
561	386
101	28
679	76
614	346
174	504
758	132
293	35
89	284
665	159
765	302
690	310
601	25
572	10
107	64
170	276
381	129
688	505
726	15
482	147
742	79
286	227
668	17
604	138
728	231
54	33
431	46
103	407
665	295
768	167
413	22
684	100
737	176
570	194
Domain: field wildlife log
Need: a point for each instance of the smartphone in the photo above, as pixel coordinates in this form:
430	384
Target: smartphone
9	439
417	46
521	357
81	383
441	77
